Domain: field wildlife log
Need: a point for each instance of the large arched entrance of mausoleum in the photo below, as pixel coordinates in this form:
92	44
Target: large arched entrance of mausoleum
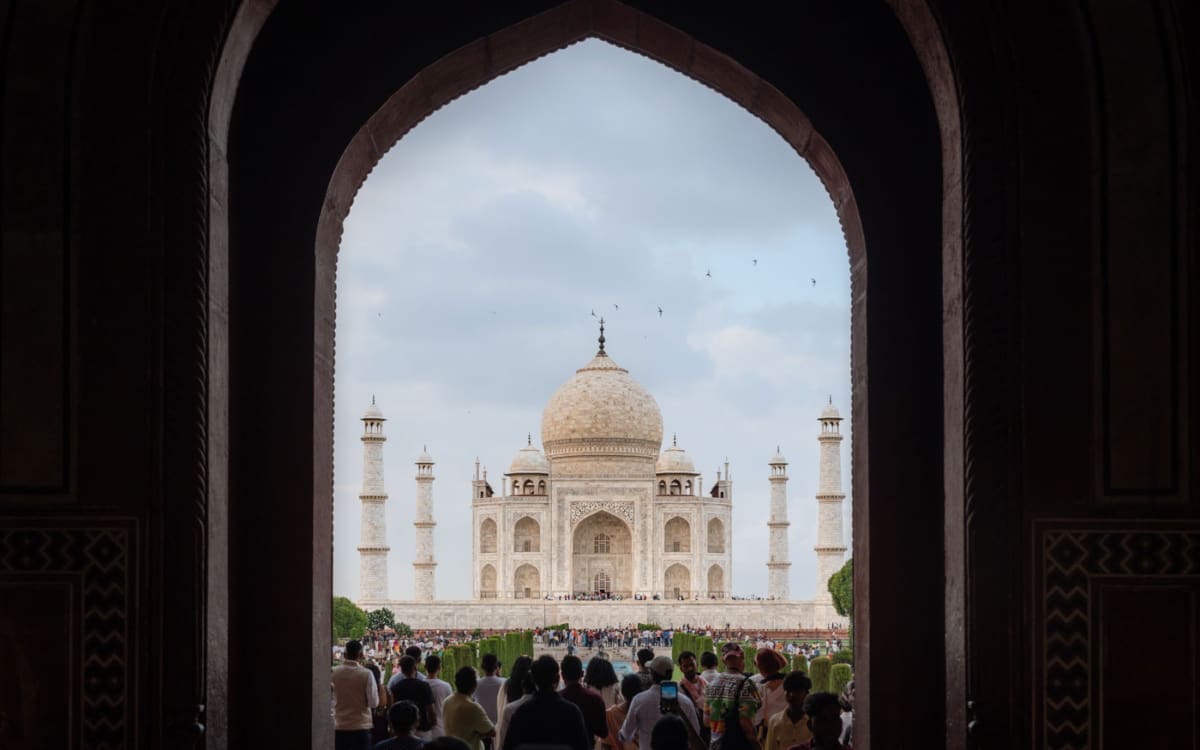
602	550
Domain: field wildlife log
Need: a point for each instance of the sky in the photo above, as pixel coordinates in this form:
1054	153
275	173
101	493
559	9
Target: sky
592	180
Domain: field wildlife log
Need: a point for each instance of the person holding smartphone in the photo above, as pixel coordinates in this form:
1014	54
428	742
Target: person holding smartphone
649	705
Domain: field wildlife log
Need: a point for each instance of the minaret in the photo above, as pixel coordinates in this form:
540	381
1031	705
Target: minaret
831	549
372	539
423	563
777	554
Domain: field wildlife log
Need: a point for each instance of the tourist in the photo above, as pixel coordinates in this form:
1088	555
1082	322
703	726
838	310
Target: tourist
355	693
669	733
487	694
695	687
769	682
464	717
731	702
644	655
590	704
631	685
402	716
708	662
547	718
379	720
647	705
517	690
602	678
692	683
824	721
789	726
409	687
846	700
441	691
414	652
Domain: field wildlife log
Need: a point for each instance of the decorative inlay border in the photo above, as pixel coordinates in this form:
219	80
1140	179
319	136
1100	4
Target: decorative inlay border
97	560
1070	558
580	510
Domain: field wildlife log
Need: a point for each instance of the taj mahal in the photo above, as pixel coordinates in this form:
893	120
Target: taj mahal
602	525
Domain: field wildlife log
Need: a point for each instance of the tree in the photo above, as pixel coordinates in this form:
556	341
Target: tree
381	618
348	620
404	630
841	586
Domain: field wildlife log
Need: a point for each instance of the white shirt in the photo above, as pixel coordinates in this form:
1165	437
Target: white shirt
644	713
354	695
441	691
487	693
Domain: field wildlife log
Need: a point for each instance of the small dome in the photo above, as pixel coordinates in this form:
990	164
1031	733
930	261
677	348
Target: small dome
830	412
529	460
424	458
778	457
674	460
373	412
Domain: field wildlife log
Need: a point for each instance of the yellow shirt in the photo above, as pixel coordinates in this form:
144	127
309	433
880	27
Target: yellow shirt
782	733
466	720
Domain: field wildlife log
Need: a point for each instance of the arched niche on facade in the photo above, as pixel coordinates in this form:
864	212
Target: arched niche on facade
527	535
527	582
487	536
487	582
677	535
716	581
677	582
716	536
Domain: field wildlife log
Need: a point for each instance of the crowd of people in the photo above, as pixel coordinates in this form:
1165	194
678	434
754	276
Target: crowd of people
547	702
384	643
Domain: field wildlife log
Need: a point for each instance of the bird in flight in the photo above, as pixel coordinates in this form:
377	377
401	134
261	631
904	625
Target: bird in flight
814	281
660	312
593	312
708	273
616	306
756	261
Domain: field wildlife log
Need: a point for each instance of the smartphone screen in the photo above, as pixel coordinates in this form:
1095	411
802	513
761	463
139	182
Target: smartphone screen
670	691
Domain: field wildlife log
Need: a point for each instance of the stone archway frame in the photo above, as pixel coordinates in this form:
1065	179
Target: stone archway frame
454	75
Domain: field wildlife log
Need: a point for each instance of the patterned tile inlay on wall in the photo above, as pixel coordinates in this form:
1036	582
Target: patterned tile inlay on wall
1070	558
97	559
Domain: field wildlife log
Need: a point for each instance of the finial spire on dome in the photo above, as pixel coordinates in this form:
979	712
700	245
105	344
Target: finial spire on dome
831	399
372	399
601	352
529	439
674	442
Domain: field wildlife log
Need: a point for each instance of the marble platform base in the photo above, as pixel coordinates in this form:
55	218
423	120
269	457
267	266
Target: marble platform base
533	613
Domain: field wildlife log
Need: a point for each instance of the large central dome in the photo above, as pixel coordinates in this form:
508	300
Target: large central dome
602	413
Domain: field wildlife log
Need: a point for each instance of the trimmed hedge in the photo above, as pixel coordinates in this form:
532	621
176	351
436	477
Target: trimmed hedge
819	672
800	663
838	677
